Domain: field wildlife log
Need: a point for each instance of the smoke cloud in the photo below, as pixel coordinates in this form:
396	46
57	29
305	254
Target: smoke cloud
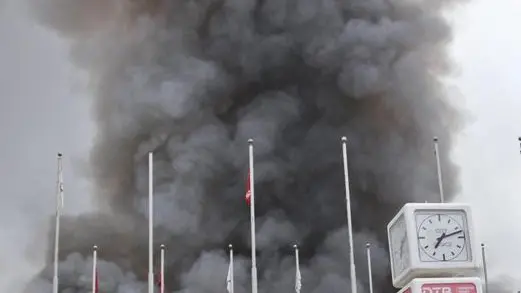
193	80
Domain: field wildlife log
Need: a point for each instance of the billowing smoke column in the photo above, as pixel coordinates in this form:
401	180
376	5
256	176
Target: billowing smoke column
193	80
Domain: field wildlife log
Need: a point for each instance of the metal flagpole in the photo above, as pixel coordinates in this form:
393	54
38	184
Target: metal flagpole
519	138
94	268
298	277
252	220
369	267
485	273
59	207
150	222
349	222
162	277
230	277
438	166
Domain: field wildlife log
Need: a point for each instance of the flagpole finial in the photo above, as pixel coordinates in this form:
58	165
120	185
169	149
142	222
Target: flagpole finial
482	244
163	246
295	246
435	139
250	141
344	139
60	155
230	246
95	247
368	245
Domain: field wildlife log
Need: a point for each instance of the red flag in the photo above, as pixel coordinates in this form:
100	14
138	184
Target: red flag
248	189
96	288
158	280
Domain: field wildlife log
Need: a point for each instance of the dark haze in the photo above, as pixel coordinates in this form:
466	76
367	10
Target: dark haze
193	80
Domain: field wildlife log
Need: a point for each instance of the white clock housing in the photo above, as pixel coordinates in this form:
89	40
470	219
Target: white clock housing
443	285
432	240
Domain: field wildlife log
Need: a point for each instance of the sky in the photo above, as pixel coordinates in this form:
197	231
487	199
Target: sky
488	53
44	109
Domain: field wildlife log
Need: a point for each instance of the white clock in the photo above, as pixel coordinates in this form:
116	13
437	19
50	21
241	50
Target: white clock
399	247
442	236
431	240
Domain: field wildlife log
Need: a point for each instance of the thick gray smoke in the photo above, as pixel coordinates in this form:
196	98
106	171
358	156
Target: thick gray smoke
193	80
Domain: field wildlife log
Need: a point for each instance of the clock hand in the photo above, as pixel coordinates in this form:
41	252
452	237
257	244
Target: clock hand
439	239
443	236
453	233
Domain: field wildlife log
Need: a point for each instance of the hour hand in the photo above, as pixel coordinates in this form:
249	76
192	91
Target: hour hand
439	239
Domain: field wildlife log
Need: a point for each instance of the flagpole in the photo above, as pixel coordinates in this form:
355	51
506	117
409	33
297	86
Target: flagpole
231	275
162	277
485	273
438	167
150	222
298	280
252	220
369	267
94	267
349	222
59	206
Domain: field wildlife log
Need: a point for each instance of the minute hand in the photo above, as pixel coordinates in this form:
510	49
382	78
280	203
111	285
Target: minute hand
453	233
443	236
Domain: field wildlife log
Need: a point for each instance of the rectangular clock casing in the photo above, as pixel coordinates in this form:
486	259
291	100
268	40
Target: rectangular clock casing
418	269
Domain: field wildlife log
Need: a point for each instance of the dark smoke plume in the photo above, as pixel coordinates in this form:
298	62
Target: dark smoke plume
193	80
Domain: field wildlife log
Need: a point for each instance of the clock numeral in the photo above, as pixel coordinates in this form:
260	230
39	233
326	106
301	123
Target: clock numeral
421	237
444	259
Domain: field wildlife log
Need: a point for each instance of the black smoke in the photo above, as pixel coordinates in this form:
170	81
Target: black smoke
193	80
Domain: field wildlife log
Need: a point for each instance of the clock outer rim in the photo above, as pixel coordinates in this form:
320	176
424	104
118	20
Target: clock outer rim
435	259
468	242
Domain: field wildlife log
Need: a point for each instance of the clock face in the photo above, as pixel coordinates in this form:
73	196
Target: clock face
399	246
442	236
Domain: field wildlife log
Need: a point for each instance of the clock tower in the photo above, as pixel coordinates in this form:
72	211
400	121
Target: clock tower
432	240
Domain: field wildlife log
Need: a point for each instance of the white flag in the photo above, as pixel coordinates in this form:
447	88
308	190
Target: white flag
298	280
59	195
229	279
